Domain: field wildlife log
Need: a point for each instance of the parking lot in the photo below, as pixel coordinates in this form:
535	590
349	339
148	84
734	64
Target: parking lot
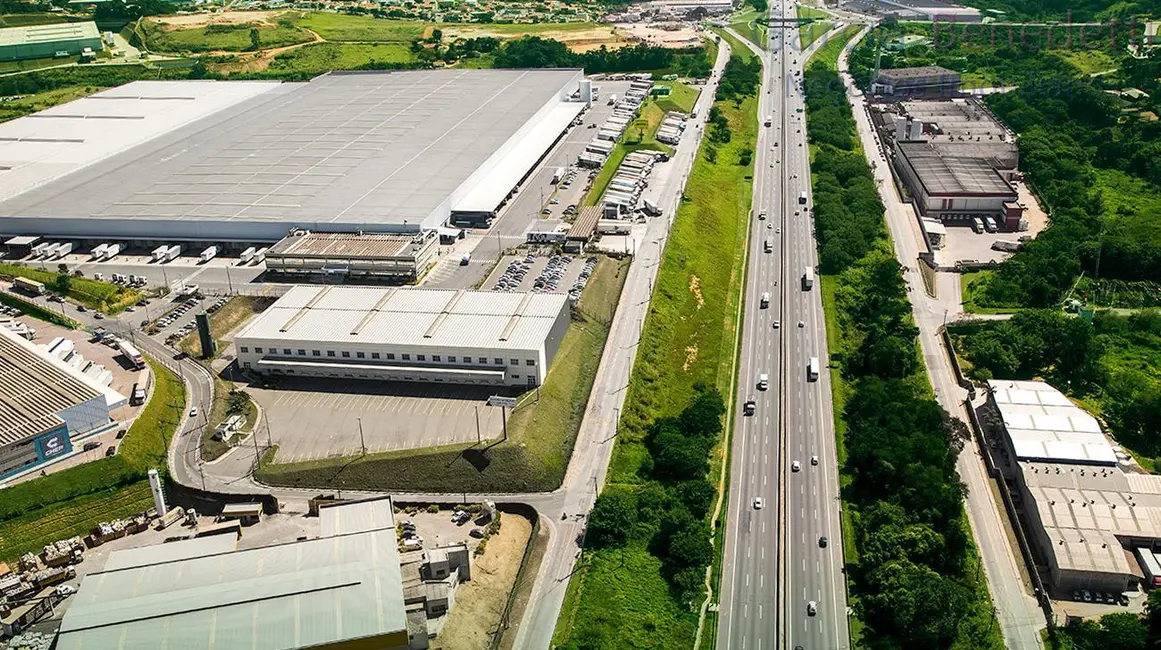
964	244
317	418
180	321
541	273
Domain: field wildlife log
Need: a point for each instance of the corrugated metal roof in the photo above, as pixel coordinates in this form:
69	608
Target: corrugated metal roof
408	316
1043	424
49	33
293	595
33	390
164	553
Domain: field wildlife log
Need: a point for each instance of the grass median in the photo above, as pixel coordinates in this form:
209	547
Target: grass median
541	432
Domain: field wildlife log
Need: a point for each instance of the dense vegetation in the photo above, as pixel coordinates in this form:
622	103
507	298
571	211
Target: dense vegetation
913	585
1069	10
1113	364
537	52
1117	631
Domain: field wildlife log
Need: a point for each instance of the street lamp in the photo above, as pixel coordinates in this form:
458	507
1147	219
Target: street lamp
362	441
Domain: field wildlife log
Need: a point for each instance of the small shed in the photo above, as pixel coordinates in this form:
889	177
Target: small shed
246	513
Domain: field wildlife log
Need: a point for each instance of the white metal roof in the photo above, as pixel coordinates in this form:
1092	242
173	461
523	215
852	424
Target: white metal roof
409	317
1043	424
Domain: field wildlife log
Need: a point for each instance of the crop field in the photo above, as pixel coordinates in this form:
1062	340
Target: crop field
541	432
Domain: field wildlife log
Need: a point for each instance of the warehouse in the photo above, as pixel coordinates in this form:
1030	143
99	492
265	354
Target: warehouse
927	81
343	589
250	161
44	41
43	404
357	256
407	334
1085	513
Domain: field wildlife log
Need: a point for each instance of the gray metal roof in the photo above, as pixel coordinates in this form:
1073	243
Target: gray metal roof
346	151
341	245
946	174
33	390
293	595
408	317
51	33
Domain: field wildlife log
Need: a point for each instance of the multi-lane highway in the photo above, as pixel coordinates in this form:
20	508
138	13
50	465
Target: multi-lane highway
775	563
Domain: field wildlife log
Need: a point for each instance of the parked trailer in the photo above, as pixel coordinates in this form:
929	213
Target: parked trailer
208	254
260	256
159	253
39	249
98	252
557	175
247	255
171	254
1149	566
113	250
612	227
63	249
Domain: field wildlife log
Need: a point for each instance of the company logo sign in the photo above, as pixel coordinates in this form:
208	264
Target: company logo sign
53	445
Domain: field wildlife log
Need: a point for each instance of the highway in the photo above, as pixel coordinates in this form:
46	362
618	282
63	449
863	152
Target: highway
774	564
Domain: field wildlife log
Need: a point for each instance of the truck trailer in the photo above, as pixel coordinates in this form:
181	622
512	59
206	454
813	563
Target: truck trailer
808	278
208	254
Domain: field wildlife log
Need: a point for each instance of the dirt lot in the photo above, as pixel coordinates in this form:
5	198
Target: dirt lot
480	603
223	18
577	40
662	35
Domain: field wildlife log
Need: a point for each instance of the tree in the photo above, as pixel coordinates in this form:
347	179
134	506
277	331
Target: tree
63	282
255	40
612	519
1123	631
703	417
697	495
1153	619
436	35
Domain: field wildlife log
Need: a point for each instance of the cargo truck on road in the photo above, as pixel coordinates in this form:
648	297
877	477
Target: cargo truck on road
812	369
808	278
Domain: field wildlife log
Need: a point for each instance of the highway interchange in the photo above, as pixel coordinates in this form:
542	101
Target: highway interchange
774	563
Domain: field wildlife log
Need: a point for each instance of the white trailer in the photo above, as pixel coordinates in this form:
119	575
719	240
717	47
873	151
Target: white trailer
111	251
98	252
50	252
247	255
808	278
40	248
557	175
260	255
208	254
812	369
651	208
159	253
64	249
171	254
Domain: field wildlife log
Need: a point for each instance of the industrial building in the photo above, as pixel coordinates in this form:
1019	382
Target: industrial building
343	589
407	334
1086	514
44	403
250	161
955	160
357	256
44	41
935	11
927	81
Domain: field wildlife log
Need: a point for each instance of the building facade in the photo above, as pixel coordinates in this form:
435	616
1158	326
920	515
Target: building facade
44	41
928	81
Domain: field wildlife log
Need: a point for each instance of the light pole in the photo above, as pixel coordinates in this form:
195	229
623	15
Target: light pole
362	441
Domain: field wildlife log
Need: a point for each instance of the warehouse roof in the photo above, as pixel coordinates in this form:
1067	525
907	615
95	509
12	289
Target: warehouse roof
929	74
343	245
1043	424
33	390
308	593
345	151
408	316
48	33
942	174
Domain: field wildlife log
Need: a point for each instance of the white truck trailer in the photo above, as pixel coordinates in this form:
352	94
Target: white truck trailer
208	254
111	251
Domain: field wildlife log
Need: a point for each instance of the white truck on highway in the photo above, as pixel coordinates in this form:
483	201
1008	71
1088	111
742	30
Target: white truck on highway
812	369
802	198
765	301
808	278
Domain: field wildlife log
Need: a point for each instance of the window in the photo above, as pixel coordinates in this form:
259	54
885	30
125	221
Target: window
420	357
302	353
244	349
246	364
499	362
330	353
258	350
452	359
316	353
360	355
374	355
483	359
286	351
406	357
513	362
390	356
434	357
529	362
346	355
515	376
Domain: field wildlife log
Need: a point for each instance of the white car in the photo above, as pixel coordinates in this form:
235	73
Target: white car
193	412
795	466
758	503
814	460
65	590
811	608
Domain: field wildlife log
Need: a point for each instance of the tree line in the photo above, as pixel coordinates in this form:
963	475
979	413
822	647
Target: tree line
670	508
537	52
914	580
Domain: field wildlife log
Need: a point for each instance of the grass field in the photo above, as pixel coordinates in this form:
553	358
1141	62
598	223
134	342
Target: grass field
541	433
229	317
21	20
639	135
971	286
341	27
1088	61
103	296
745	22
224	37
689	337
812	31
828	54
318	58
219	411
7	67
681	98
72	501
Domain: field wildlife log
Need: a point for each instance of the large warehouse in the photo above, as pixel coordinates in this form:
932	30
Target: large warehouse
44	41
43	403
228	161
406	334
1085	513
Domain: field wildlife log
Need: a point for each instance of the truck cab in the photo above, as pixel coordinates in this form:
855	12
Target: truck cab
765	300
749	407
763	381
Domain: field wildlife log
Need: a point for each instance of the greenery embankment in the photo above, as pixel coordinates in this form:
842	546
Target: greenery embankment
913	577
750	22
230	37
72	501
226	319
102	296
648	545
1111	365
541	432
228	401
36	311
812	31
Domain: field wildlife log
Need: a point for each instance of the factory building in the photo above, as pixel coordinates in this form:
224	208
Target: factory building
1087	516
407	334
356	256
44	41
343	589
250	161
44	403
927	81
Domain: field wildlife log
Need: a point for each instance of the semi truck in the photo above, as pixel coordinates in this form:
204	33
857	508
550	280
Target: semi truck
765	299
31	287
812	369
208	254
808	278
652	209
131	353
802	198
769	120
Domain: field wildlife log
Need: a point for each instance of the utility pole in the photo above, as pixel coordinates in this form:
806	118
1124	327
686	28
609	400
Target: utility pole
362	441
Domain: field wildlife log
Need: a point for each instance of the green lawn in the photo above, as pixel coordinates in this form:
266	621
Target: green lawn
811	32
34	64
318	58
72	501
103	296
21	20
1088	61
341	27
971	286
689	337
227	37
681	98
541	433
828	54
746	23
220	410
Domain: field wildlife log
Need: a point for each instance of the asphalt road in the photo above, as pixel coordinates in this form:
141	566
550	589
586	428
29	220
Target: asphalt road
773	561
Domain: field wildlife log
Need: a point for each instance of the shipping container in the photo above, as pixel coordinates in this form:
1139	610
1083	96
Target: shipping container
171	253
159	253
64	249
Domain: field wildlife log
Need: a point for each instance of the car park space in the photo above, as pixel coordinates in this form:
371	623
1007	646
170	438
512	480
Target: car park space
542	273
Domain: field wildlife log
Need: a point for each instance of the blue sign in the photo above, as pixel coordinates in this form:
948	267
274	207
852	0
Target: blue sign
53	444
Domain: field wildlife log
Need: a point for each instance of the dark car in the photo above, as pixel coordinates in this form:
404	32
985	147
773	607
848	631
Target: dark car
749	407
822	541
111	450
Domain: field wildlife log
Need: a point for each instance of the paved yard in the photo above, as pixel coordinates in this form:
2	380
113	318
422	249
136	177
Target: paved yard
317	418
965	244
